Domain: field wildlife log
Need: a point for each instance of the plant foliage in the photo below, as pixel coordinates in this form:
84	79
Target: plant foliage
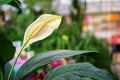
7	51
79	71
42	59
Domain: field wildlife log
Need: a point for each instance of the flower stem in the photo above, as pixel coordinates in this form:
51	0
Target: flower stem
11	70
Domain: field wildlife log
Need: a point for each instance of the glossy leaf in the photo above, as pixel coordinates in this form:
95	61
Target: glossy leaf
86	70
44	58
7	51
41	28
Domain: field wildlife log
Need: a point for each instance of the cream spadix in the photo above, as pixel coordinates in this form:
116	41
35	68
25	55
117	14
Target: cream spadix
41	28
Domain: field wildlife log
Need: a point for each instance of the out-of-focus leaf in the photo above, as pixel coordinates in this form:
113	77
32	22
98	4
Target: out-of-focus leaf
1	74
7	51
4	2
41	28
16	3
102	48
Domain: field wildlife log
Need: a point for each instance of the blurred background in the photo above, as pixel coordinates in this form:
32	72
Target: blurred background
86	25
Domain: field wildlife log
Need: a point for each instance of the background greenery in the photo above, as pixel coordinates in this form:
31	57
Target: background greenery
75	38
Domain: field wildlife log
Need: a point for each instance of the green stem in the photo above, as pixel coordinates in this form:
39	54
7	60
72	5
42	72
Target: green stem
11	70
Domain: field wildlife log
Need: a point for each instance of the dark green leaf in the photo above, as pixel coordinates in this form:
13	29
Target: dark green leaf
86	70
42	59
7	51
92	43
104	52
105	64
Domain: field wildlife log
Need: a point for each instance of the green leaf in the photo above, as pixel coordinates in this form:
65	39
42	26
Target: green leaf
78	78
86	70
98	45
8	66
4	2
105	64
42	59
7	51
70	77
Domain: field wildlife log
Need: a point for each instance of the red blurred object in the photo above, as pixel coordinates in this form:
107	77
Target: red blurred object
42	75
56	64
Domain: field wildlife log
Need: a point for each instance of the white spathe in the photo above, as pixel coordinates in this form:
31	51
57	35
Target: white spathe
41	28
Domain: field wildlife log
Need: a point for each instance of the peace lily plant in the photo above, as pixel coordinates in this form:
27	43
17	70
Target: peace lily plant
38	30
